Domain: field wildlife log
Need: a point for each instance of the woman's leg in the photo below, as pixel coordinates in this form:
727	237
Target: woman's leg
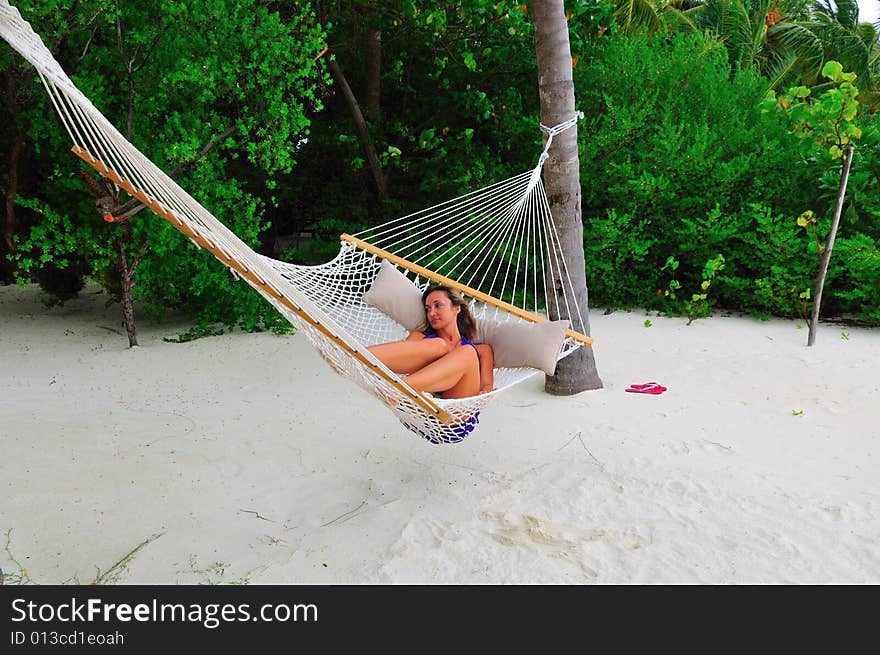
409	356
456	375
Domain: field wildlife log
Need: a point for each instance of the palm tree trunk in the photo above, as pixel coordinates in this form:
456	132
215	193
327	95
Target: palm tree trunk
577	372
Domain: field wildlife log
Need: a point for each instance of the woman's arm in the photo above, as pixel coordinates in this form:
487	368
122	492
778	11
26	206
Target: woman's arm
487	367
415	335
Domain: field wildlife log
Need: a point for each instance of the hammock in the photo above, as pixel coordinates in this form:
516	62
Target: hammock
497	246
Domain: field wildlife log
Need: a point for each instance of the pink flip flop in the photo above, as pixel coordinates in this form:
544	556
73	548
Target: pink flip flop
651	388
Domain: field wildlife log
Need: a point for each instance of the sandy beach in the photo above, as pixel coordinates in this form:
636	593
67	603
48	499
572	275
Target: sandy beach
243	458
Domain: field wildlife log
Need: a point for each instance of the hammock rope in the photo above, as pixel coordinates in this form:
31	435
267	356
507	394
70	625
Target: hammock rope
497	244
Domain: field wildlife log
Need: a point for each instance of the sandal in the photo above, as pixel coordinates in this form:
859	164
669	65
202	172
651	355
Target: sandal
651	388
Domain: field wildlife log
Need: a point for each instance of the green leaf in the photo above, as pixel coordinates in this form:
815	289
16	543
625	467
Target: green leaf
832	70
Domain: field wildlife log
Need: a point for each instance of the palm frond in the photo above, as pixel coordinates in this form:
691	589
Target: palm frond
678	20
795	10
746	35
847	13
781	71
868	34
823	8
843	44
796	42
630	15
796	38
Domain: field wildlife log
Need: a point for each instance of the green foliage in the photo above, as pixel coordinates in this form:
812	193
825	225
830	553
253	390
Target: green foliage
617	248
54	251
458	110
200	70
680	155
697	305
856	270
765	264
682	151
593	18
825	123
808	221
675	155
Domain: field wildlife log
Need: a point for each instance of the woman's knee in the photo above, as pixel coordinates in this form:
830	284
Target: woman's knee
467	356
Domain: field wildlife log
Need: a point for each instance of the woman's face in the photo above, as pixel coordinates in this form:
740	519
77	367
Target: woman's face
439	310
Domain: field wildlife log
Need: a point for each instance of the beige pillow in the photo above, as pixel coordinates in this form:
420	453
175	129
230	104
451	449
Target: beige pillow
395	295
516	343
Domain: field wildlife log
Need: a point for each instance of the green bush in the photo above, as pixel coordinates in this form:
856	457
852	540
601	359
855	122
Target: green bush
679	159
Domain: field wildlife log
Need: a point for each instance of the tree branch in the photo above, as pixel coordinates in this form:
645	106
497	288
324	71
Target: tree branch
204	151
149	51
107	204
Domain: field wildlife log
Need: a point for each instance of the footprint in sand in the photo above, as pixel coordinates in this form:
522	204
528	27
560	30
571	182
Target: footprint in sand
685	447
553	540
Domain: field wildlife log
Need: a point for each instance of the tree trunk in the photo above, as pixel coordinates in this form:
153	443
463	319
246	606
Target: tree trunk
10	226
363	132
372	73
826	258
127	274
11	192
128	309
577	372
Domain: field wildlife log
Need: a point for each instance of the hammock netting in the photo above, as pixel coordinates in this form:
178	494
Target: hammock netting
498	244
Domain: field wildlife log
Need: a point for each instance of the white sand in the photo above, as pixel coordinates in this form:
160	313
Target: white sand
256	463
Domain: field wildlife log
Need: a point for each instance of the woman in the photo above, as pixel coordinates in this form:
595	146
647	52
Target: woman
439	357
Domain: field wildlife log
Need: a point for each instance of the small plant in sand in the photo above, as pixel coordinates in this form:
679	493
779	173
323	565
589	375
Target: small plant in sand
112	575
18	577
197	332
803	304
215	573
698	305
648	322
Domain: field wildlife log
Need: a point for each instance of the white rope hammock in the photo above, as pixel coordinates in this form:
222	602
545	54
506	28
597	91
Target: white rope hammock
497	245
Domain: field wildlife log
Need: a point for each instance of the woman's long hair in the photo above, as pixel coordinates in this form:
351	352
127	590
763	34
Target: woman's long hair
467	324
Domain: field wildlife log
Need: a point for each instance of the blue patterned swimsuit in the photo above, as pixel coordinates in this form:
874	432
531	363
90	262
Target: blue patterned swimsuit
465	427
464	342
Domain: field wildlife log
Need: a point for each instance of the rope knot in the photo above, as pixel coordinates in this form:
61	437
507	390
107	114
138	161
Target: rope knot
564	125
553	131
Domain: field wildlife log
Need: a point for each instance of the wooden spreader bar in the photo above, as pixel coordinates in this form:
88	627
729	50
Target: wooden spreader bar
466	290
425	403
